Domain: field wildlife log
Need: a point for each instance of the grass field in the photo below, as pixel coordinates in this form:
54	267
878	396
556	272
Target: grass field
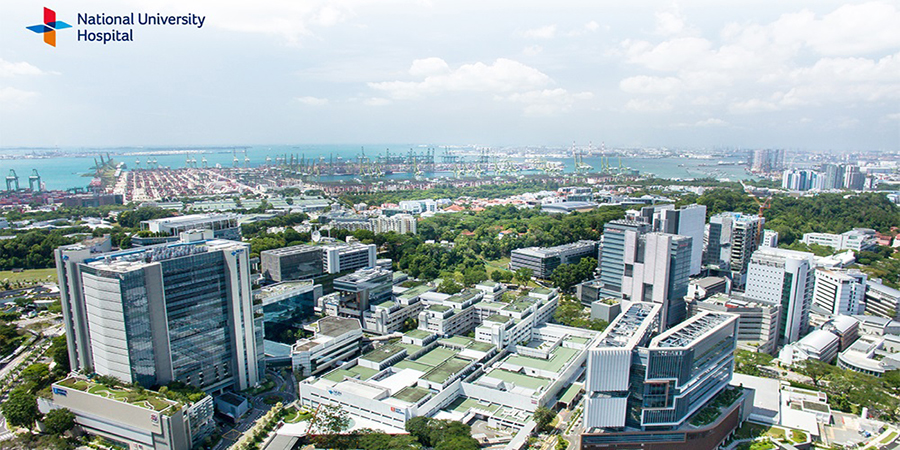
32	275
496	264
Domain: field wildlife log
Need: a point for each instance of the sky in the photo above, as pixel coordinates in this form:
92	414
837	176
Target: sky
815	75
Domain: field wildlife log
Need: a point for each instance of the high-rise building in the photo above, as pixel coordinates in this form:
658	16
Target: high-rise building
543	260
840	292
853	178
637	384
802	180
617	235
687	221
757	323
834	176
786	278
731	239
338	258
656	271
767	160
172	312
365	287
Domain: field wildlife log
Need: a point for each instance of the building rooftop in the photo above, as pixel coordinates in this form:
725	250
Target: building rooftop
282	288
127	260
148	399
363	275
691	330
293	250
415	291
337	326
546	252
382	353
498	318
631	326
818	340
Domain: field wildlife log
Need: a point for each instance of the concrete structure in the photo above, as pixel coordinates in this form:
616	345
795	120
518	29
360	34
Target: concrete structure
877	326
365	287
801	180
339	258
845	328
172	312
292	263
687	221
400	224
705	287
656	270
618	235
637	384
770	239
767	160
568	207
857	239
336	340
871	355
224	226
840	292
786	278
543	260
757	328
606	309
588	292
731	239
881	300
157	423
820	345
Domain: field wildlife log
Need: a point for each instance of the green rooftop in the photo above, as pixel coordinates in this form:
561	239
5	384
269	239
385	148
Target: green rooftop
417	334
519	305
464	404
148	399
578	339
570	393
481	346
436	356
410	348
415	291
359	372
461	341
386	304
382	353
541	291
407	364
519	379
558	359
411	394
439	308
498	318
446	370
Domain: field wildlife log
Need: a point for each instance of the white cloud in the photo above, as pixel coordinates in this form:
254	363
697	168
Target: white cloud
313	101
503	76
545	32
532	50
591	26
548	102
377	101
672	23
711	122
428	66
11	69
13	96
643	84
648	105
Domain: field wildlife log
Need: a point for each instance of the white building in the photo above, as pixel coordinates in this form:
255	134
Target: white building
840	292
657	266
688	221
770	238
343	258
881	300
400	224
819	345
336	339
871	355
731	238
857	239
757	328
786	278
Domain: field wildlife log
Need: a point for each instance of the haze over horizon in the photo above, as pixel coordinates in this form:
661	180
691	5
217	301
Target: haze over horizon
805	75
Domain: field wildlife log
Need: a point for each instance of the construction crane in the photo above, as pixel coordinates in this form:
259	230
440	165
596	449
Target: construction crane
763	205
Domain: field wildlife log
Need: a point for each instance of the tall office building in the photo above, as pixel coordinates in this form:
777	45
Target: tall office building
656	271
767	160
853	178
172	312
731	239
687	221
637	384
784	277
617	236
840	292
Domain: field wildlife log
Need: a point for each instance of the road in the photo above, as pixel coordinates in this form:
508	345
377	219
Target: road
285	389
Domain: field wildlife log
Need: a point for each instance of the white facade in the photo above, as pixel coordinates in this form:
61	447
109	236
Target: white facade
337	339
786	278
400	224
820	345
770	238
342	258
857	239
840	292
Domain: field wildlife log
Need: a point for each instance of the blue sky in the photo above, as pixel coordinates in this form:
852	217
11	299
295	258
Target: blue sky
820	75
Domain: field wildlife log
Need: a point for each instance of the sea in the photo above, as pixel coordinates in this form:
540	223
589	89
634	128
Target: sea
71	167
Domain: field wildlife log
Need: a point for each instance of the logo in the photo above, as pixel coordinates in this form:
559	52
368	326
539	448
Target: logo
60	391
49	27
154	418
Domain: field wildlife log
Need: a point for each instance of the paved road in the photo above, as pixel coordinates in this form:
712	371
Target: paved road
286	389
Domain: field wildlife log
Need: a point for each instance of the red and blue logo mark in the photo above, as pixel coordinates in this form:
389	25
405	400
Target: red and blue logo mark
49	27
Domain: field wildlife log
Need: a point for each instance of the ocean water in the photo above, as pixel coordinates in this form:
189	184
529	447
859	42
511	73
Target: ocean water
64	172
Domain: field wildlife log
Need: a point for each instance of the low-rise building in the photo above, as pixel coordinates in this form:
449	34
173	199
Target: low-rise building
224	226
820	345
149	420
292	263
881	300
872	355
336	339
543	260
857	239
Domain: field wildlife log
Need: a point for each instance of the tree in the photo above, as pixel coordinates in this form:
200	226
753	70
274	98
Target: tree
20	409
815	369
58	421
458	443
35	374
419	428
330	419
59	351
543	416
523	275
449	286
